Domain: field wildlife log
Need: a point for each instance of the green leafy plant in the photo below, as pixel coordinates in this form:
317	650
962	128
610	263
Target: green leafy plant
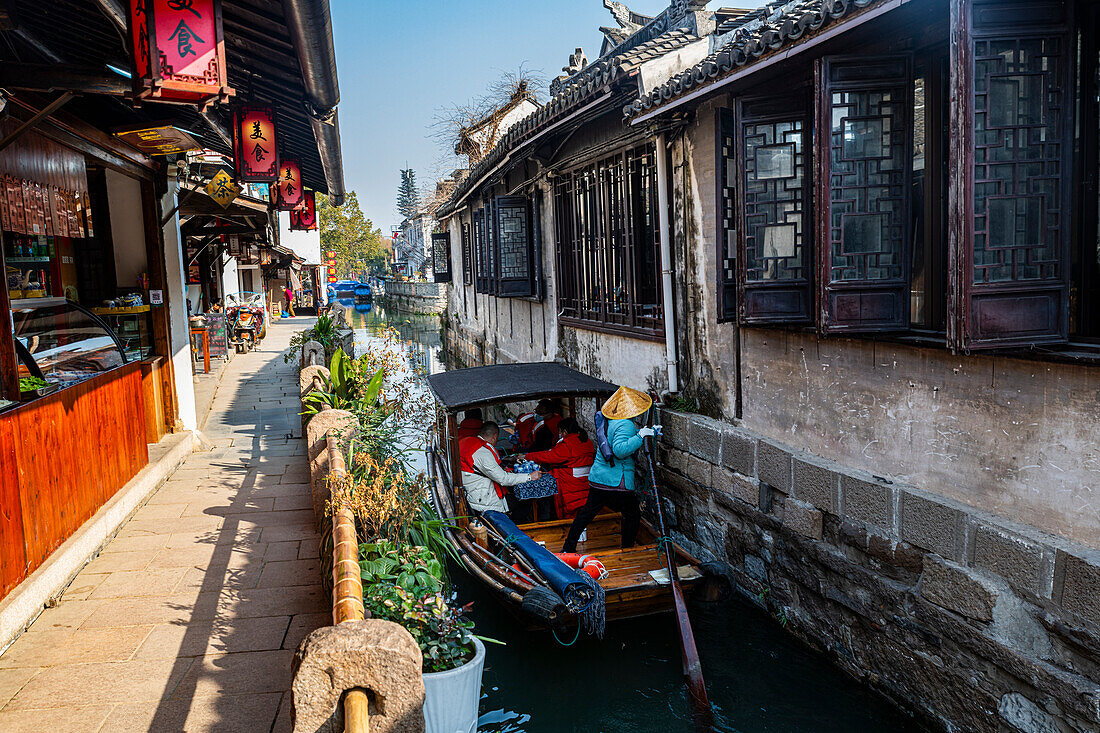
442	631
324	332
415	569
682	403
345	388
404	583
27	384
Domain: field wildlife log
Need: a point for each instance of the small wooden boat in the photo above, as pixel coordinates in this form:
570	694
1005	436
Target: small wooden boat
637	581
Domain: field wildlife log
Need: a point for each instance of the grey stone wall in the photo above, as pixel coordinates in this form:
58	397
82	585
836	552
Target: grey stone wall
977	623
416	297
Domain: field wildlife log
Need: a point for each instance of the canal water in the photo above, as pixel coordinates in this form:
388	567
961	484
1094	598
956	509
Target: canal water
759	678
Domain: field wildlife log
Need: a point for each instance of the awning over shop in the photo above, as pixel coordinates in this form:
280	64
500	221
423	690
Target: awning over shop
279	53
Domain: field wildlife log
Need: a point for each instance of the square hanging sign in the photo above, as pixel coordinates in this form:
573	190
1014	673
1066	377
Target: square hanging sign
254	143
178	51
304	218
222	189
288	191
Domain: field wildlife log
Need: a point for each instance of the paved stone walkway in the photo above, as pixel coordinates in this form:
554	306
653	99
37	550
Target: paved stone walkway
189	618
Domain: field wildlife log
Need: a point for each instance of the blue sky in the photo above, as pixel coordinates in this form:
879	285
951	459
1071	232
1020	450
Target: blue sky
401	61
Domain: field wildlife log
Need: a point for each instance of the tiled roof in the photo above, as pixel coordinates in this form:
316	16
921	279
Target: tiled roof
656	48
648	43
751	37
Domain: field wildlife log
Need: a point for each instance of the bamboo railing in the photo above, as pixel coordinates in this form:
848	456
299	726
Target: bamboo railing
347	587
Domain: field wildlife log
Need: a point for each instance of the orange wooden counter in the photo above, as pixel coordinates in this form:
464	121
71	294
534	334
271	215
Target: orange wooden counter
62	457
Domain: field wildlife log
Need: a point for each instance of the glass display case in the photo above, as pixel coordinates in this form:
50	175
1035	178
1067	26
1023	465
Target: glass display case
133	328
62	343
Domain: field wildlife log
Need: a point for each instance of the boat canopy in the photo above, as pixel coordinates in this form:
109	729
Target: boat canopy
502	383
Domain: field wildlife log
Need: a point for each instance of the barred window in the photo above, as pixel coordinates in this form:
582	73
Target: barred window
467	255
441	256
607	248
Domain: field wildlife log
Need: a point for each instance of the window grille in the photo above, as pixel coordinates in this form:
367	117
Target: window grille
441	257
467	256
865	137
1015	242
775	253
607	249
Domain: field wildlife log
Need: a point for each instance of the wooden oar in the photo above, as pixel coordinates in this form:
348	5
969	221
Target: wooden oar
701	711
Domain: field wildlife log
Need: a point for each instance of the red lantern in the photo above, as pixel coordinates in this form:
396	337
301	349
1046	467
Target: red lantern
304	218
254	143
179	54
288	190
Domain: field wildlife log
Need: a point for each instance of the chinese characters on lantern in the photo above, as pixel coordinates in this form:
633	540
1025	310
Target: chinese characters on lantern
254	142
304	218
179	55
288	189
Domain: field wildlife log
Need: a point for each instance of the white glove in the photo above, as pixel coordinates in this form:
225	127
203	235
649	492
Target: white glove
647	432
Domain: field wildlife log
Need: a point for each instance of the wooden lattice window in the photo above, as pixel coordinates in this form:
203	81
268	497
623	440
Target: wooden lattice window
864	136
441	257
607	249
1013	133
467	255
775	254
515	254
726	241
481	252
492	248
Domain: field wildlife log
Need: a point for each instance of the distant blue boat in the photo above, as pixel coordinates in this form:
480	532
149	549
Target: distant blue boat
343	289
362	293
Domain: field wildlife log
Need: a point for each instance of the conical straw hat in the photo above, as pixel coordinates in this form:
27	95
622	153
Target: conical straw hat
625	404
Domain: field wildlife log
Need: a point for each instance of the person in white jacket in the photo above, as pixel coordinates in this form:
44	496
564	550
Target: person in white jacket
482	475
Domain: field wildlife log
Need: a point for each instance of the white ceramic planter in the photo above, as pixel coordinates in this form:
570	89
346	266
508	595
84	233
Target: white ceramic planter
451	698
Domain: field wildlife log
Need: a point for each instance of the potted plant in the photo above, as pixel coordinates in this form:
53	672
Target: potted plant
405	585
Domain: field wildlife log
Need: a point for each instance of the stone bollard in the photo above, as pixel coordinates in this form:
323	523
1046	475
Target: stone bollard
378	656
307	379
339	314
313	354
317	430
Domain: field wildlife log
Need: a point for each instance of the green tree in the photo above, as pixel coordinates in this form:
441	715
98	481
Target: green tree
408	200
359	245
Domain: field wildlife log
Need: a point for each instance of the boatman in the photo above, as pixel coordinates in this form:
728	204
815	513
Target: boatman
482	475
611	480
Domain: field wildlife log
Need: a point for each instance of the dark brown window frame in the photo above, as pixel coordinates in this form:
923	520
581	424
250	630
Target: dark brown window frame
936	331
777	300
617	196
1020	311
441	254
467	254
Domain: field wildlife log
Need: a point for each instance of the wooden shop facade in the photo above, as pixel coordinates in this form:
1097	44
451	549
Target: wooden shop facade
97	212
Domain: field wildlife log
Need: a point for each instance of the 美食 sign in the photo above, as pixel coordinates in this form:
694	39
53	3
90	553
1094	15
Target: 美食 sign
178	51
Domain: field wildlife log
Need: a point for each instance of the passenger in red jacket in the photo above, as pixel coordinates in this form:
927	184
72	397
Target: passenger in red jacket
470	425
568	462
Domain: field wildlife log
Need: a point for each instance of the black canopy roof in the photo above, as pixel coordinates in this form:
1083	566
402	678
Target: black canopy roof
500	383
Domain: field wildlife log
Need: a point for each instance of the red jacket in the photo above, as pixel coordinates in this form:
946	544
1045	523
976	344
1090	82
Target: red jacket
568	462
468	428
466	449
525	428
545	433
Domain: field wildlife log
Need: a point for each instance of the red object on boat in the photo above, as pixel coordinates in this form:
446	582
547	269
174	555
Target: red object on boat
587	563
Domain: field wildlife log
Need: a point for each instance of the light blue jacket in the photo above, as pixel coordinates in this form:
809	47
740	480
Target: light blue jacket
625	442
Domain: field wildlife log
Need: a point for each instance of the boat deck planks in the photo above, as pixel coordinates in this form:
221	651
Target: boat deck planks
628	568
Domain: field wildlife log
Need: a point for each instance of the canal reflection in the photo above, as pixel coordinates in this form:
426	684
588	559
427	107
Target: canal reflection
759	678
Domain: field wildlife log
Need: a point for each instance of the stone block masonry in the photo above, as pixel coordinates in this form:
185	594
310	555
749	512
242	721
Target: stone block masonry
971	621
